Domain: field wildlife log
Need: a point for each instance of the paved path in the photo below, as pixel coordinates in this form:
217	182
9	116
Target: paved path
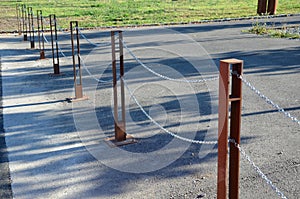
55	151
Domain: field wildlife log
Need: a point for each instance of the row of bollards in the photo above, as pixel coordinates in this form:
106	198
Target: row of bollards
26	26
25	18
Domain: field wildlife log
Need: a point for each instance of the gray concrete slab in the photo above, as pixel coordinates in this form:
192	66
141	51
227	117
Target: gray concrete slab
57	149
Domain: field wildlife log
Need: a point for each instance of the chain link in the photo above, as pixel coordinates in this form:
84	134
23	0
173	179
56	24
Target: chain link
94	44
61	29
268	100
257	169
45	39
90	74
56	42
163	76
161	127
60	50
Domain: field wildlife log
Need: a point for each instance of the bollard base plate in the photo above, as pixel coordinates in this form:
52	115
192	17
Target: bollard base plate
112	142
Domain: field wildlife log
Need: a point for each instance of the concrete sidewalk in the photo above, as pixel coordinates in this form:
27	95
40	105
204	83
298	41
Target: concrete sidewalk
50	142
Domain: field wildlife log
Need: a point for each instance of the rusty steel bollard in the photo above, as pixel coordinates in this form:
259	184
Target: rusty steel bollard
272	6
267	7
24	22
31	27
77	82
261	7
19	24
235	100
120	127
40	25
55	53
121	137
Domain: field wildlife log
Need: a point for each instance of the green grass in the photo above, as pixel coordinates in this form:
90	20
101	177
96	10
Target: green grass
283	32
96	13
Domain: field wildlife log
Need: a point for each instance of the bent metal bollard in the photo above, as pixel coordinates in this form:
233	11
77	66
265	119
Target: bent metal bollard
41	34
77	82
235	99
55	54
121	137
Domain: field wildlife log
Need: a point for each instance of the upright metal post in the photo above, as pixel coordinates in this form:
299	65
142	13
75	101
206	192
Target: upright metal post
18	7
55	53
120	131
41	34
235	98
262	7
24	21
272	6
223	130
77	82
29	22
235	128
31	27
121	137
121	54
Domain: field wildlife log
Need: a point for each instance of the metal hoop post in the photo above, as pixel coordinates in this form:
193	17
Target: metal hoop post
121	137
18	11
77	82
55	54
41	34
24	20
31	27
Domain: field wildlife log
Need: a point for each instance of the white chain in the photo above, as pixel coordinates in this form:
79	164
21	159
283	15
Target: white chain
90	74
61	29
46	40
94	44
163	76
268	100
60	50
161	127
257	169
